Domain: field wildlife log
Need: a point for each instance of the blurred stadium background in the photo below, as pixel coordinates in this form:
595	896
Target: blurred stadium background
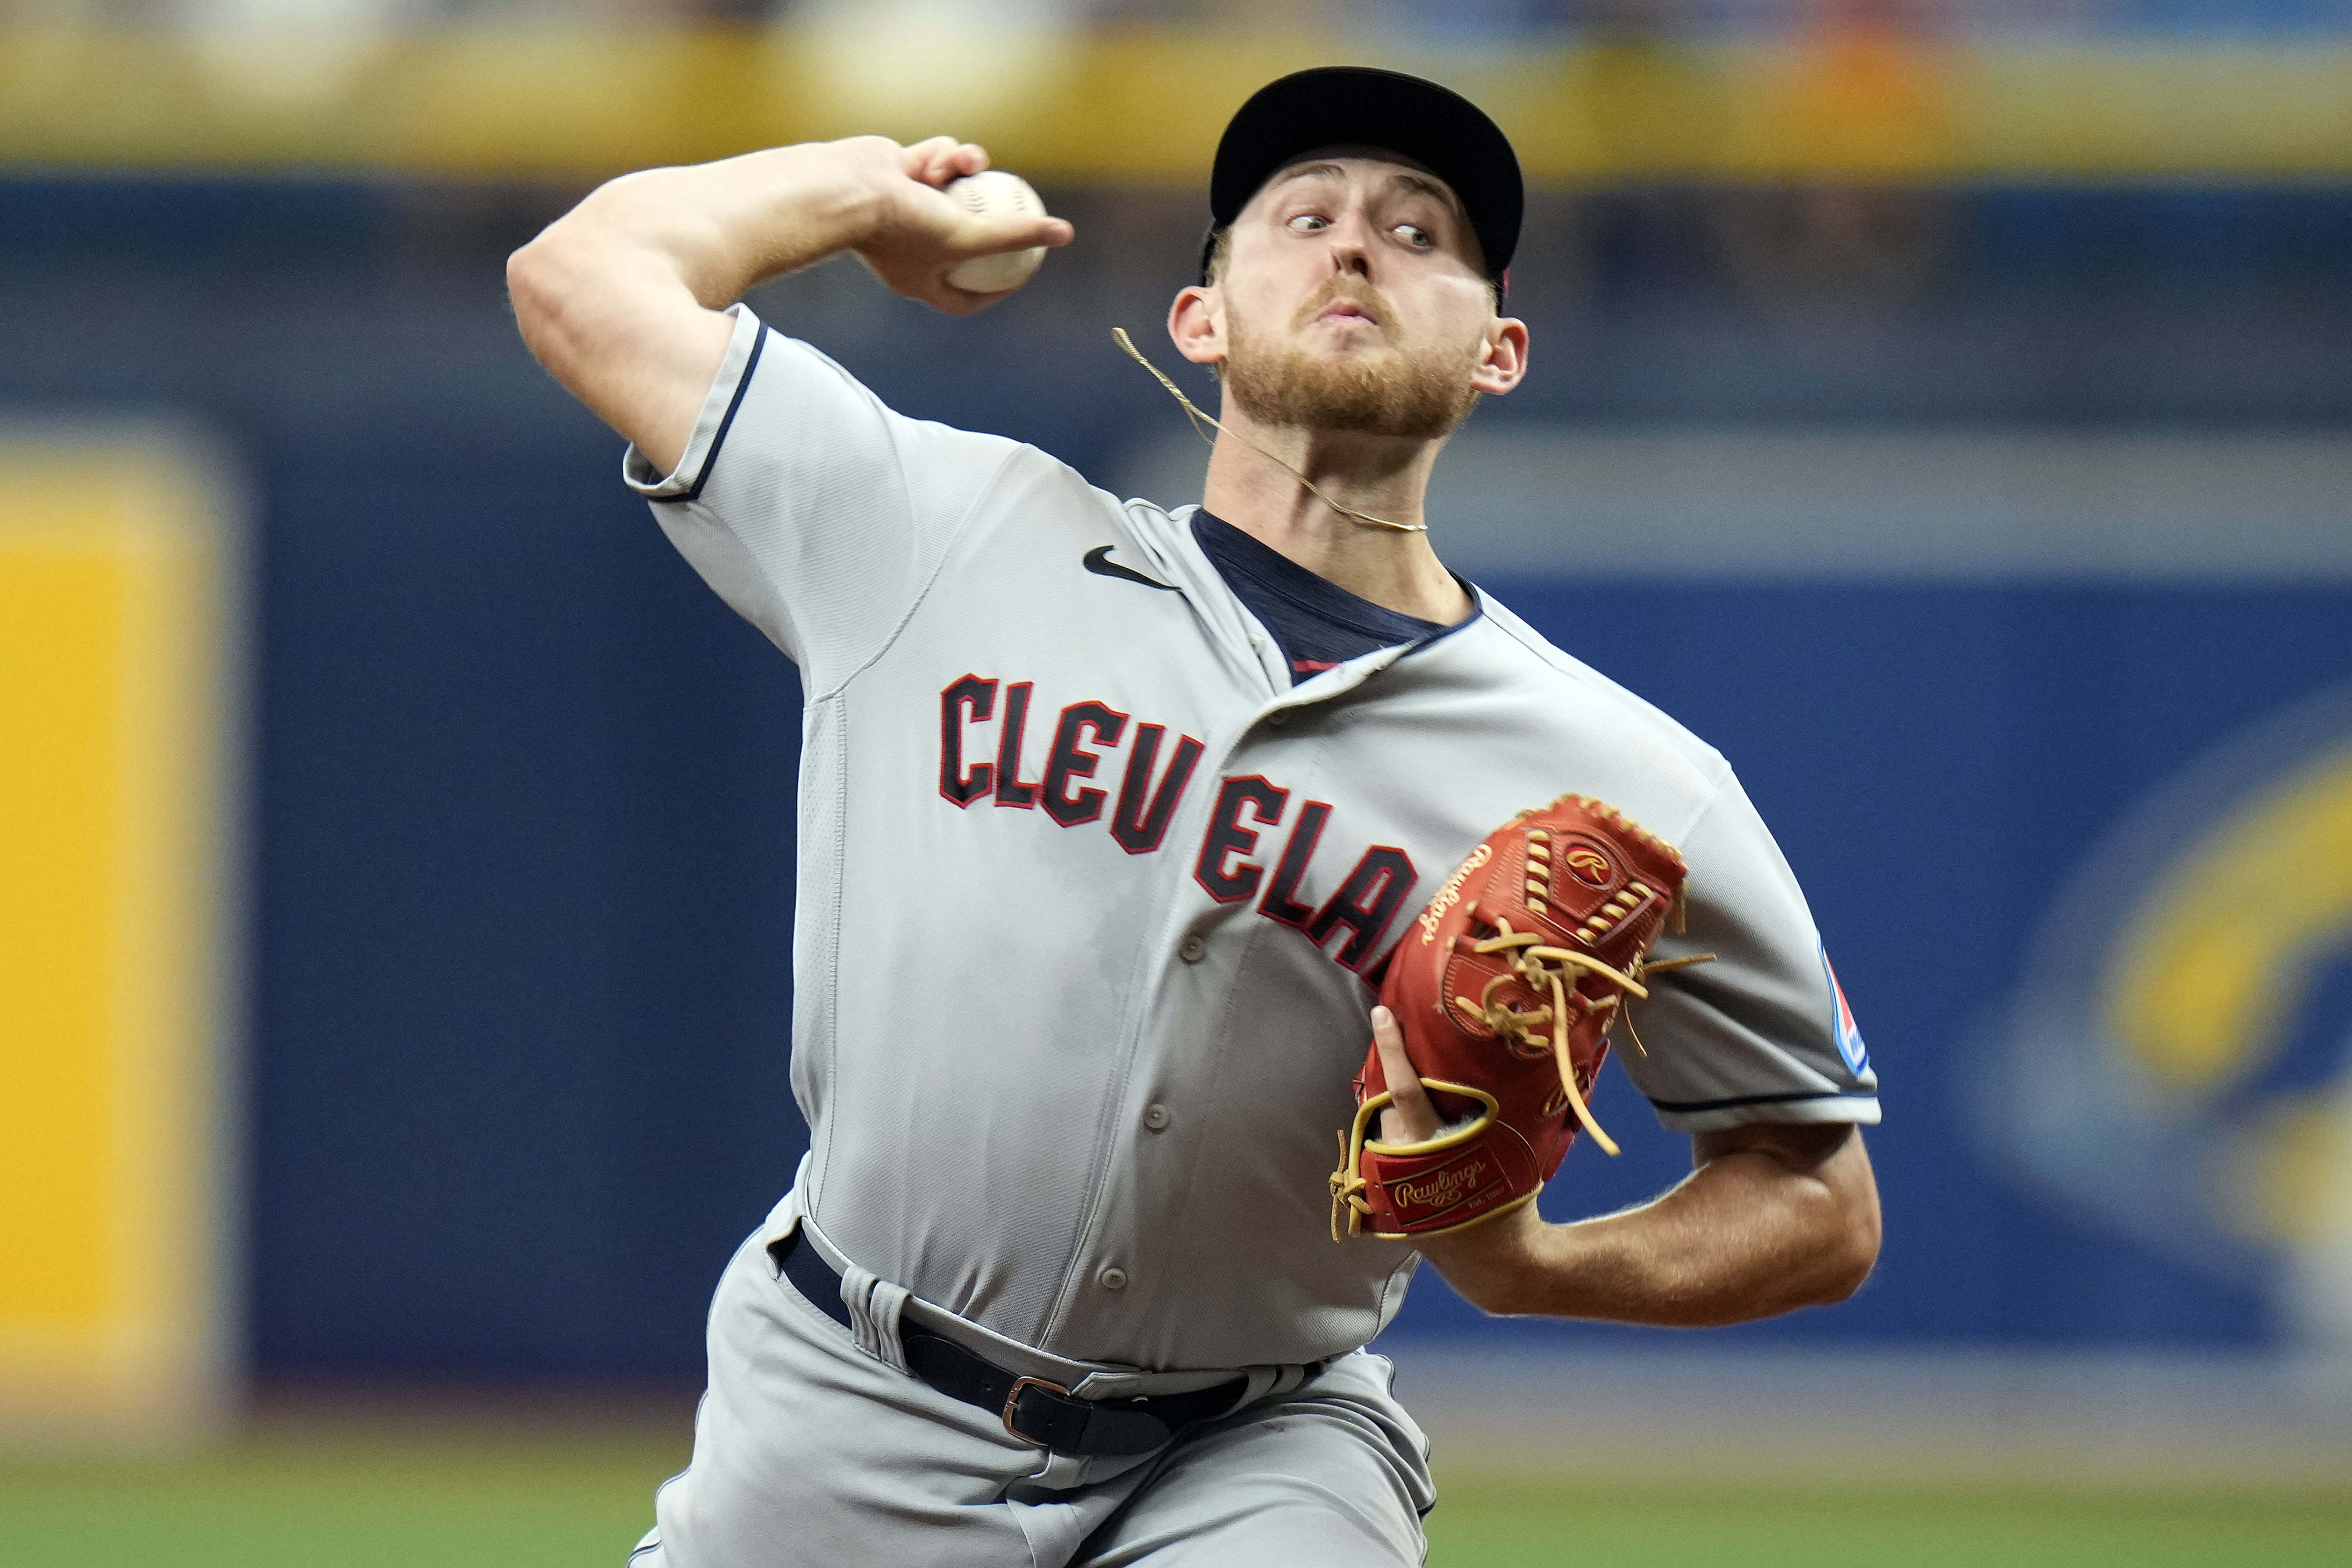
1945	408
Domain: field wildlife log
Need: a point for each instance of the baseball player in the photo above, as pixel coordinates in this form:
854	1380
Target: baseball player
1109	817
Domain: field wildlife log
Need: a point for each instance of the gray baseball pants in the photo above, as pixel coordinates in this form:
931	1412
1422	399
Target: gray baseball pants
808	1450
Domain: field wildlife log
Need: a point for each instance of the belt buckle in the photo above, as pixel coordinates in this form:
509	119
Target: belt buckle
1014	1398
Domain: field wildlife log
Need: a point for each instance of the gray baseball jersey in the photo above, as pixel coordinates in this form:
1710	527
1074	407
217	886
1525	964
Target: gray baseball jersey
1088	888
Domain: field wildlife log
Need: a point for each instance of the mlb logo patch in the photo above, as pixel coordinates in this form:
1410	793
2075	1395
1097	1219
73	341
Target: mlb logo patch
1842	1024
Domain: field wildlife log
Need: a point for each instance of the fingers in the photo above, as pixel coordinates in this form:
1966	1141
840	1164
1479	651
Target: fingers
985	234
936	160
998	232
930	160
955	301
1412	1119
935	290
988	235
925	236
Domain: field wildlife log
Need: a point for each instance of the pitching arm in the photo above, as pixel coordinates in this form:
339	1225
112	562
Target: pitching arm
621	298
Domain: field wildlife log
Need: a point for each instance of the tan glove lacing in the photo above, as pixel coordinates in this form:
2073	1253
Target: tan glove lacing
1349	1182
1537	965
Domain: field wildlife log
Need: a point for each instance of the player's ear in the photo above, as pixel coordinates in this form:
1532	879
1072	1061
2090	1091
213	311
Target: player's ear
1505	363
1196	324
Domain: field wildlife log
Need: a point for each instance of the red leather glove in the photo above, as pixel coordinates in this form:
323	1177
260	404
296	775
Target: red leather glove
1504	989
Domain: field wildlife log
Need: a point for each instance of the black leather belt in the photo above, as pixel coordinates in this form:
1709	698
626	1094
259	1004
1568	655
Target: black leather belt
1032	1409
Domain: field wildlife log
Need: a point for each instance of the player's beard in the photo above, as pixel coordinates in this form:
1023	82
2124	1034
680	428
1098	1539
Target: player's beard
1416	397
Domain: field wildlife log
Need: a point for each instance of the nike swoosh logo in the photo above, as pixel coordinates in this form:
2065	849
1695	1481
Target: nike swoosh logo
1099	563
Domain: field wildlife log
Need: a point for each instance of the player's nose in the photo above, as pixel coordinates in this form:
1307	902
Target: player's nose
1347	242
1350	249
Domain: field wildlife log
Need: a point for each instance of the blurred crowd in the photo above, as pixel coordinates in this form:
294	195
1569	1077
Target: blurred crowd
1467	20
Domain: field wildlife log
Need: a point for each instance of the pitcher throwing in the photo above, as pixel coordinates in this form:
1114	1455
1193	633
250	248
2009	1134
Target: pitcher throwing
1111	817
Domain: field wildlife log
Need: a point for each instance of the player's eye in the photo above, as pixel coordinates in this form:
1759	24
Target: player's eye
1311	222
1415	236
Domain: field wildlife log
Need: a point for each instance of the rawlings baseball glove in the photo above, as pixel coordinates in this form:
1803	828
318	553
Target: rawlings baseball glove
1505	993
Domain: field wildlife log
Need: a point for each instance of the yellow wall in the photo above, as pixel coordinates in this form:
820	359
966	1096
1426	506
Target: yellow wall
114	867
1148	106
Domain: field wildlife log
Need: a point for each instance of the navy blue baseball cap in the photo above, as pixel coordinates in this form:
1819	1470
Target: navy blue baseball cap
1358	106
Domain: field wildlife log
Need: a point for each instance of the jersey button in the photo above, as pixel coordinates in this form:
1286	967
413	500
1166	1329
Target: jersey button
1192	950
1112	1279
1156	1117
1280	716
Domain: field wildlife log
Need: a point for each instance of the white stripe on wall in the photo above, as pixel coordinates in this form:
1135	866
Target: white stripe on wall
1845	503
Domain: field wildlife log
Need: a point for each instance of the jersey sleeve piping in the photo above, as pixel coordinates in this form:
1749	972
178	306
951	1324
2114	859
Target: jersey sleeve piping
726	420
1761	1052
1696	1107
930	581
672	487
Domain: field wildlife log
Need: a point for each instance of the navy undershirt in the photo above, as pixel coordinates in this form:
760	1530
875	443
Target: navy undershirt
1317	622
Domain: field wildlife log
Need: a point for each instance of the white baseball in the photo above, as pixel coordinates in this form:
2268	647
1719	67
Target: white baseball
994	191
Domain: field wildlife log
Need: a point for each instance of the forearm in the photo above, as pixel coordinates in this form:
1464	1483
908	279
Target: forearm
1751	1233
618	298
717	229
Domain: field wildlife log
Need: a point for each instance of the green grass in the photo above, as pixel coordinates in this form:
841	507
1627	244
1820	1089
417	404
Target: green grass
343	1500
340	1499
1481	1526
